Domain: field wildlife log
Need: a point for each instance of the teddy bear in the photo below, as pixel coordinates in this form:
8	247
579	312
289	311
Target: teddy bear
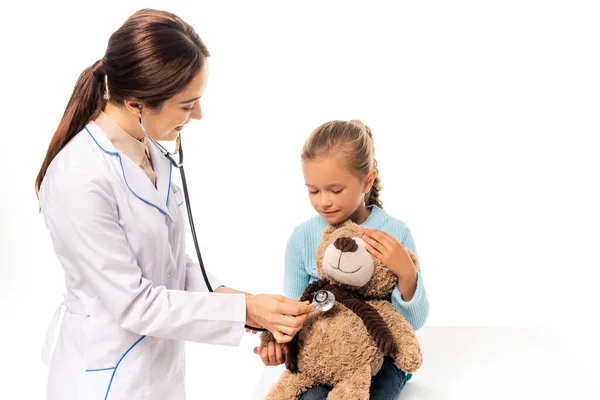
345	346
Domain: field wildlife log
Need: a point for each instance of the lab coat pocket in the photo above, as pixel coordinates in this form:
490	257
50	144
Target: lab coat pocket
177	208
178	197
107	345
96	384
177	205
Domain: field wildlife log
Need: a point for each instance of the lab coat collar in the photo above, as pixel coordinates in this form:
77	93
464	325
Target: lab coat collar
134	177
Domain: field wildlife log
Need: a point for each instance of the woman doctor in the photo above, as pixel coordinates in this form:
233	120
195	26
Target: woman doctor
117	225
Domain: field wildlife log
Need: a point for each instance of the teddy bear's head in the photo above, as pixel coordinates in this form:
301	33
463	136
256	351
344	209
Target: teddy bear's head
342	259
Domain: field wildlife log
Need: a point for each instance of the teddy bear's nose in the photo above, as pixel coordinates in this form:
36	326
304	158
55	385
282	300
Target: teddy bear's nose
345	245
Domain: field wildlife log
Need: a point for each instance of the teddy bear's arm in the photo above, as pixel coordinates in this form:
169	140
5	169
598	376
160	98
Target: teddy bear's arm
408	357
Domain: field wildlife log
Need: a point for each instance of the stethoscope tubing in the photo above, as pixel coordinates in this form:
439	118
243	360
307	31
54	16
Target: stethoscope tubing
329	297
179	166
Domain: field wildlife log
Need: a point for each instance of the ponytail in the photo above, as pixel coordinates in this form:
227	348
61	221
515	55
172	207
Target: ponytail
85	104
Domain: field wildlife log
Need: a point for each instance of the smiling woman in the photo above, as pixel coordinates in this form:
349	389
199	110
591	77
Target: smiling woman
157	68
167	121
133	294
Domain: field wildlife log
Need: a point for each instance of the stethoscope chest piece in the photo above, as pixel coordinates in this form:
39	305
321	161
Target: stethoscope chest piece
323	300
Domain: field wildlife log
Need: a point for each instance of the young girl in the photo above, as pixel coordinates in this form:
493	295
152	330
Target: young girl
340	172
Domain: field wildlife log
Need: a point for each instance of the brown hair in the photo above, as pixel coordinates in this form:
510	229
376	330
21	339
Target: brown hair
356	140
150	58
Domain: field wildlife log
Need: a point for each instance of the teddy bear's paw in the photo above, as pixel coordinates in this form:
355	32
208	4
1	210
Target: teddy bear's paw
265	338
289	386
410	362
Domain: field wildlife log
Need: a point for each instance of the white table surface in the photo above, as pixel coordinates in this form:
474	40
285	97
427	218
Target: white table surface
490	363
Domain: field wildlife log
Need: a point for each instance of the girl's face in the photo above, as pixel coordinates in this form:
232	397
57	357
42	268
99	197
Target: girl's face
334	192
168	122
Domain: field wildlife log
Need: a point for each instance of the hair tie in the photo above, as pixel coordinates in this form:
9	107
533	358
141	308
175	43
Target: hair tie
106	92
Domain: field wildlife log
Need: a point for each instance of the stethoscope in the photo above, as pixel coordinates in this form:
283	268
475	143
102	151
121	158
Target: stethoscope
323	300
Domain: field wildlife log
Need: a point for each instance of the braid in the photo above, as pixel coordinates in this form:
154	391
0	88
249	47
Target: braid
371	198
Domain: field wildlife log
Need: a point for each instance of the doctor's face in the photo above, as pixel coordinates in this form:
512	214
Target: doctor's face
166	123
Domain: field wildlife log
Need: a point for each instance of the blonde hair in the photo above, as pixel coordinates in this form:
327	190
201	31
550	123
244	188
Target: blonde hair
355	139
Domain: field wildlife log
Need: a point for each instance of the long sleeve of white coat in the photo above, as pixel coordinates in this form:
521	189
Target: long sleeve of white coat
82	216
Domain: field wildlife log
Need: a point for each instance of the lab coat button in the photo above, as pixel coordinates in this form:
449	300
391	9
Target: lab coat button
171	272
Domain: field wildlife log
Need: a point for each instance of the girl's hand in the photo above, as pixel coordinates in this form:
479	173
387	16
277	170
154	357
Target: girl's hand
390	252
273	354
395	256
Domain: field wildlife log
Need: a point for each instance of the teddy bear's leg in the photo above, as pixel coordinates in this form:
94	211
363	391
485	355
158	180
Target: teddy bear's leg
356	387
289	386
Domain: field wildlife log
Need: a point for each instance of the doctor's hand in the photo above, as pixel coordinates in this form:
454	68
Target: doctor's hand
273	354
252	324
283	317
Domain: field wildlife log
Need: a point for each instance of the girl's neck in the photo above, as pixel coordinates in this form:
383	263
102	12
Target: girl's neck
360	215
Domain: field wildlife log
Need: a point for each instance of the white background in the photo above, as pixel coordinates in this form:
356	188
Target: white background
485	117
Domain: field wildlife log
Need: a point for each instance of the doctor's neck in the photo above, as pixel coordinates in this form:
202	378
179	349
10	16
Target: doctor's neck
125	119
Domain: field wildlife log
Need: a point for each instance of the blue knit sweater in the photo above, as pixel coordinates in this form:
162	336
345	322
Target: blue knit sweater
301	269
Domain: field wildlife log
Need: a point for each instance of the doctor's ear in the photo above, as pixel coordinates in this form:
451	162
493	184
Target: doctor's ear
134	107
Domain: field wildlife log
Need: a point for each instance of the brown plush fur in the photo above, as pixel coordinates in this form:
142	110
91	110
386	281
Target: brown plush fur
371	318
335	347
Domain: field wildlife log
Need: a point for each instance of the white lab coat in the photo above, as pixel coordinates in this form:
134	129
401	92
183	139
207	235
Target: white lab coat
132	295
